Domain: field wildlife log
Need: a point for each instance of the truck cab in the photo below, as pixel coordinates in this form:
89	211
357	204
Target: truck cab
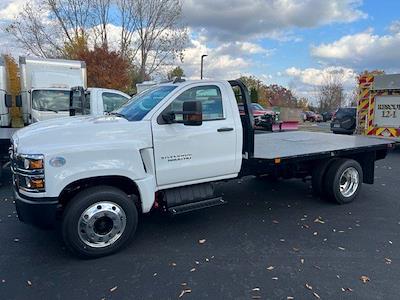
48	103
165	149
100	101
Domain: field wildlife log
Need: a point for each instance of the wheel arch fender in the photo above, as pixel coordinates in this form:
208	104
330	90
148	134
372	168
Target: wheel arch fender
144	188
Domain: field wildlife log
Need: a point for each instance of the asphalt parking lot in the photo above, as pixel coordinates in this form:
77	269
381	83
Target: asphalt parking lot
271	241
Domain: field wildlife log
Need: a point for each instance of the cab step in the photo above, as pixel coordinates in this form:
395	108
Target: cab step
184	208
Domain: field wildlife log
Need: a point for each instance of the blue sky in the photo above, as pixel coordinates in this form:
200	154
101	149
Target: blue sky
295	43
381	14
306	39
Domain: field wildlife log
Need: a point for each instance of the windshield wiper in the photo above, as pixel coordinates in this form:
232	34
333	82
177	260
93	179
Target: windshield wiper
49	109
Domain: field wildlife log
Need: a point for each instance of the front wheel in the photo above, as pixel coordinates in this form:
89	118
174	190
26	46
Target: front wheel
343	180
99	221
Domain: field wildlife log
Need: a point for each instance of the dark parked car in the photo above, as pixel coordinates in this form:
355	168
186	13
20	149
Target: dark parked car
344	120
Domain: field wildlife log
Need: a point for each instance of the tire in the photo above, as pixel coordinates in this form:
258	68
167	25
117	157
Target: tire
339	170
109	222
318	176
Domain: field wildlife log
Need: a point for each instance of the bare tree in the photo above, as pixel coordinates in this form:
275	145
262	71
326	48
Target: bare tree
160	35
330	94
128	26
151	31
73	16
34	35
44	27
100	19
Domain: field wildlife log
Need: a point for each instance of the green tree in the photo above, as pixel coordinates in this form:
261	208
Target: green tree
253	95
176	72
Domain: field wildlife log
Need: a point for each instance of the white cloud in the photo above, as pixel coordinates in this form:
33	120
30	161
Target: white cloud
252	48
305	82
218	64
113	35
10	8
395	26
364	50
242	49
317	77
241	19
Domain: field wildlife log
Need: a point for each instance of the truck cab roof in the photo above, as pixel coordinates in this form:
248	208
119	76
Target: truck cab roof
191	82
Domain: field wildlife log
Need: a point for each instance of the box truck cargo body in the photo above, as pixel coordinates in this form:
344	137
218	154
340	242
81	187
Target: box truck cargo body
46	84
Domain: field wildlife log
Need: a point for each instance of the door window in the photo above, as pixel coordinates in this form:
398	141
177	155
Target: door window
210	97
112	101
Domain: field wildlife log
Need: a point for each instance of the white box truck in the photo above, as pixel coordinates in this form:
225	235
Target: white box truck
46	87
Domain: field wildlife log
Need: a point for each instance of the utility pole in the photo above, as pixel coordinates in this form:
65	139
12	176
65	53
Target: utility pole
201	68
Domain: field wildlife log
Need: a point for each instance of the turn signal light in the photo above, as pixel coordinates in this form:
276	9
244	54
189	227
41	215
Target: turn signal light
36	164
35	183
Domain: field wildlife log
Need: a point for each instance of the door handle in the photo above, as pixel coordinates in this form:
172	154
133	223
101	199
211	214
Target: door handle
224	129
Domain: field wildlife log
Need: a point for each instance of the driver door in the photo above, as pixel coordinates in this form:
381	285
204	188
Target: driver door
196	153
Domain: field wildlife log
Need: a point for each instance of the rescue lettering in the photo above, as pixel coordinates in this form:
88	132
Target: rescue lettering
389	106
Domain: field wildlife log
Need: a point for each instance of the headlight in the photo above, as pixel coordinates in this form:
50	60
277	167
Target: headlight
28	172
32	162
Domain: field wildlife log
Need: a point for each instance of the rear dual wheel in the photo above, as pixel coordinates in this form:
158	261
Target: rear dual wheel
339	180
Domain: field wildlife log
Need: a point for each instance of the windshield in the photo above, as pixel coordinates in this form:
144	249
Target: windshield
342	112
50	100
136	108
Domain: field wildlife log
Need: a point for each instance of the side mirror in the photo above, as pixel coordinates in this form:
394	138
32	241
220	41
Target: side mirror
192	113
76	101
8	100
18	101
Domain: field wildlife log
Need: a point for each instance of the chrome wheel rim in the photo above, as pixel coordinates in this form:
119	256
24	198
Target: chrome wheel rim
101	224
349	181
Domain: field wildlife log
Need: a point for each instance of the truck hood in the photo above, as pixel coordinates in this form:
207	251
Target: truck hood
75	132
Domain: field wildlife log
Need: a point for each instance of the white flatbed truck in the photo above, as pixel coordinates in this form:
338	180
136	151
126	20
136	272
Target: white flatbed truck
164	150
